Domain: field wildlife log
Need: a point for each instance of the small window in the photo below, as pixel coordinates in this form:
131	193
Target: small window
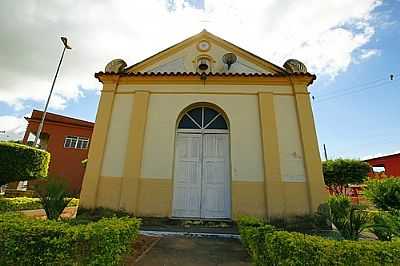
82	143
70	142
378	169
76	142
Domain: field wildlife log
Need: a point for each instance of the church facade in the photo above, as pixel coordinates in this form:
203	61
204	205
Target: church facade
204	129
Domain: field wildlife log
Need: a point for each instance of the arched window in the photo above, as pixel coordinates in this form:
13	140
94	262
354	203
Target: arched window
203	118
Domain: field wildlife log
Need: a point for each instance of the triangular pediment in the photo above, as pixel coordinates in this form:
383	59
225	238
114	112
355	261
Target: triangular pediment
185	56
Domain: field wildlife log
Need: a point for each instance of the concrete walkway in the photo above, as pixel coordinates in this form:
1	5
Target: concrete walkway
182	251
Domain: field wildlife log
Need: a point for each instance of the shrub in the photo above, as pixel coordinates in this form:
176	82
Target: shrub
339	173
386	225
27	241
25	203
272	247
348	218
20	162
384	193
54	197
19	204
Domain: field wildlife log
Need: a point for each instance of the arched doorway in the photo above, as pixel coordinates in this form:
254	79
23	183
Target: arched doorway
202	176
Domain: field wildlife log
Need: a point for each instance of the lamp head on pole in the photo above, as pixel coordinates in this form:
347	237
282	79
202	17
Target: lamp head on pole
64	40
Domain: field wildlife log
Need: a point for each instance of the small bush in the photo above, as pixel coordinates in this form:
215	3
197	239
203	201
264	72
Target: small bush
27	241
348	218
19	204
20	162
267	246
386	225
384	193
24	203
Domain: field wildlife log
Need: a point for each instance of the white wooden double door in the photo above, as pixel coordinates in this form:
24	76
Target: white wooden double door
201	179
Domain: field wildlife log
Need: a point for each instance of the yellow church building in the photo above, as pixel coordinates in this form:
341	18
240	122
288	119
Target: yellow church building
204	129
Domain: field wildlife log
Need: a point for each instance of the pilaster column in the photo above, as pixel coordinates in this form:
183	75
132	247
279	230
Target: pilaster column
130	186
98	141
312	159
274	196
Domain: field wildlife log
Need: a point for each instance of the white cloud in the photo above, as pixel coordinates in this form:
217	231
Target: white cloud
323	34
367	53
11	127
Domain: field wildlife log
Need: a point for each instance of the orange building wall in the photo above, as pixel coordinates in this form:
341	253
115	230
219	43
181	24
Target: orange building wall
390	162
65	162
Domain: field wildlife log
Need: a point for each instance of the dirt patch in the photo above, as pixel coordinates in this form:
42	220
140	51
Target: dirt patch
68	213
139	248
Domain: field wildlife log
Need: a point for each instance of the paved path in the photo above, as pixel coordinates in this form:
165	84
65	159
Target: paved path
181	251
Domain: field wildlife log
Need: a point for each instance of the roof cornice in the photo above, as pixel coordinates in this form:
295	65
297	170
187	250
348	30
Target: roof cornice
195	77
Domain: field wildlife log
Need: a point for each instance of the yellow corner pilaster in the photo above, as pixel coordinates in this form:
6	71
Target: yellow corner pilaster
130	185
274	196
312	159
88	196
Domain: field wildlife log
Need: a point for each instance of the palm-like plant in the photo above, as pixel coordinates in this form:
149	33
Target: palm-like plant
54	197
349	219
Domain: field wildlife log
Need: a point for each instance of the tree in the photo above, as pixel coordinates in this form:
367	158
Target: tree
339	173
20	162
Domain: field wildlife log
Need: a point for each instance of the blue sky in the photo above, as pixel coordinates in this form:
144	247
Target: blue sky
365	121
352	47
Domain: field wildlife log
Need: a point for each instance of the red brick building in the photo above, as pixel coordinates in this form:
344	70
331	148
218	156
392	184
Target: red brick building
389	164
67	139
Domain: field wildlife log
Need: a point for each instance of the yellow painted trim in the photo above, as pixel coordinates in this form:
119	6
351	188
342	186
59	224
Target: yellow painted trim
192	92
133	162
274	193
91	180
204	35
213	93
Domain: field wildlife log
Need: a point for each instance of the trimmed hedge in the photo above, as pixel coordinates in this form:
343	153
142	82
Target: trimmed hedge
26	241
20	162
268	246
24	203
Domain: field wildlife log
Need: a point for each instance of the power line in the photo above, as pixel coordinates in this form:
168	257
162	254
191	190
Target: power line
360	85
352	91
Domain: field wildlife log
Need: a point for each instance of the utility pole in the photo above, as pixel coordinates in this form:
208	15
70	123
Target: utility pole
40	128
325	153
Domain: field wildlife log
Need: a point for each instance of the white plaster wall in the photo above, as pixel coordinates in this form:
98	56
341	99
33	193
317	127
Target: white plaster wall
117	138
245	137
290	149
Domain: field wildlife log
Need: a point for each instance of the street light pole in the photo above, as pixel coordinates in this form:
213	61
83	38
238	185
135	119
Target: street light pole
66	46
